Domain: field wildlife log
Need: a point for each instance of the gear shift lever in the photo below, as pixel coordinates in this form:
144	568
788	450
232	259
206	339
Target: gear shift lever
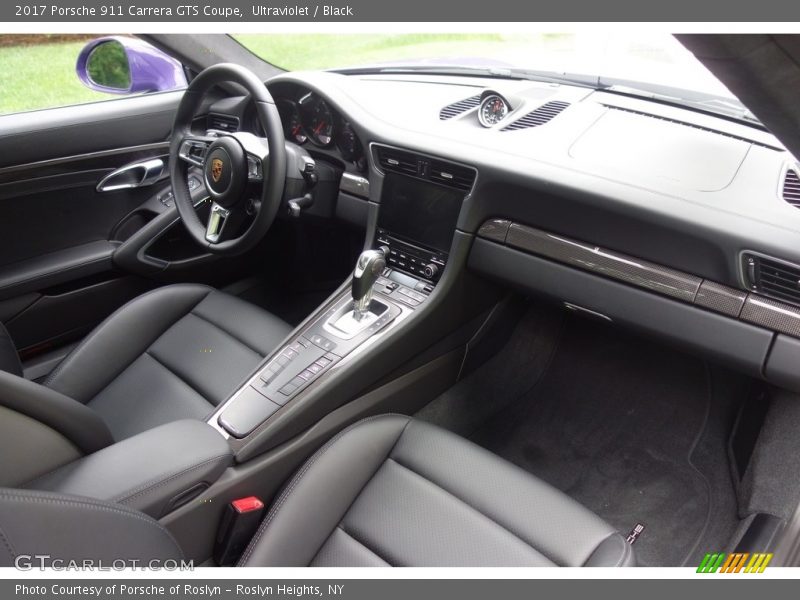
369	266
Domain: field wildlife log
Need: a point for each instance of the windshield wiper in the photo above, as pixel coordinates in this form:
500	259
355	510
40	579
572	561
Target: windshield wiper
709	104
585	81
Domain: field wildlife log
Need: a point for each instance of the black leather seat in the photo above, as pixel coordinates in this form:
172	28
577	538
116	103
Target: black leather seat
387	491
395	491
174	353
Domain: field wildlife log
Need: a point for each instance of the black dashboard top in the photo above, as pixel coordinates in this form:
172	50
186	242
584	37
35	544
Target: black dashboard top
671	185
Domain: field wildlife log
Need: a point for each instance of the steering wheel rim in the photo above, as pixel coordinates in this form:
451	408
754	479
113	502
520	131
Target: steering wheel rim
226	177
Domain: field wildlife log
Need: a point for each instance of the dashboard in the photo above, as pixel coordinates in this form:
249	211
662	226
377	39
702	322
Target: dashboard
681	223
687	190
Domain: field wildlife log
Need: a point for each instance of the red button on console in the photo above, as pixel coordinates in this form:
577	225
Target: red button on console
249	504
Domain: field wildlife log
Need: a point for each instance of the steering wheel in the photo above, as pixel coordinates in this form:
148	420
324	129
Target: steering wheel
234	166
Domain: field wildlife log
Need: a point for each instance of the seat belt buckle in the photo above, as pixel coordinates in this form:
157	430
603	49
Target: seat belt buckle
237	527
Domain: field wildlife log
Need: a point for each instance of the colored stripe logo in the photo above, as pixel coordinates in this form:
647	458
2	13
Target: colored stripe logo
737	562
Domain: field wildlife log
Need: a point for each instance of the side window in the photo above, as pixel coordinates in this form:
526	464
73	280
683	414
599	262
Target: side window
47	71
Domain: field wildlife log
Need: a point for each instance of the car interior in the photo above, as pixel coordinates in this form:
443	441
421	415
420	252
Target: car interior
389	317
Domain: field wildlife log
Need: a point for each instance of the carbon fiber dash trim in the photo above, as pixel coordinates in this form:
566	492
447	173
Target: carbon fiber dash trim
603	262
495	229
720	298
771	314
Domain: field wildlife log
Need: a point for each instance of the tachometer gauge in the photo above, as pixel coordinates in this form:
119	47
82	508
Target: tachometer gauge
493	110
320	124
347	141
294	129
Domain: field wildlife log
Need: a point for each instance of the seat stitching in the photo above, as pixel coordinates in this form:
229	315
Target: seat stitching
468	505
296	480
124	511
7	544
158	482
71	356
226	332
177	376
361	543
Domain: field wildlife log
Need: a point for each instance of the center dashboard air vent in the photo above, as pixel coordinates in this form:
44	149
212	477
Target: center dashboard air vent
772	277
540	116
430	169
791	187
225	123
457	108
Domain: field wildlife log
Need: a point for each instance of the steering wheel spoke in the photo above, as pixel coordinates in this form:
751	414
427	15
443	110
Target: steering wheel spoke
257	151
255	169
193	149
217	219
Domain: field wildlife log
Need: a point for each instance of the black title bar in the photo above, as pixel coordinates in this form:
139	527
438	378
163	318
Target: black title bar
440	11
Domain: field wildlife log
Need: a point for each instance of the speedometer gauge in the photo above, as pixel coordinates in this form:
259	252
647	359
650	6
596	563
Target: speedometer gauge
493	110
320	124
294	129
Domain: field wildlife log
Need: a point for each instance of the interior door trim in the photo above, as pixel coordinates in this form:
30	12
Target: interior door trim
43	164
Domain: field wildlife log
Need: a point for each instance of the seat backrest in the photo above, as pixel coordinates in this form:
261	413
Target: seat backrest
41	429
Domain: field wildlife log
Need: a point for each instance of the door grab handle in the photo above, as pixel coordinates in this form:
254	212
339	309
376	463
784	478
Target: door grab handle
135	175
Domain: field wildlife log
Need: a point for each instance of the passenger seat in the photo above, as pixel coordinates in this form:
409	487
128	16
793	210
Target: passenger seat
387	491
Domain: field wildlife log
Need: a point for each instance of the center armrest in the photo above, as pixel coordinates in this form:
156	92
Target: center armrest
155	472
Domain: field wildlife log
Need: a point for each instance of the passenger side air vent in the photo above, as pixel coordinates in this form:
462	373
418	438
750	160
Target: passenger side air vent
451	175
442	172
791	188
540	116
456	108
224	123
772	277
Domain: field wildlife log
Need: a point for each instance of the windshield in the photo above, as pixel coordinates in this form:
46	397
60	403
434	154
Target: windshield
651	58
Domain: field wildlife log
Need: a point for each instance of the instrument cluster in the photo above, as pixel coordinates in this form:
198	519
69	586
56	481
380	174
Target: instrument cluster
310	120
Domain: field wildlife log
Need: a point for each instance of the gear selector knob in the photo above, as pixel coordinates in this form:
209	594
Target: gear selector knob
369	266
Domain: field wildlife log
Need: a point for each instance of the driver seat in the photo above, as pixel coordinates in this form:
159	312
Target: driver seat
176	352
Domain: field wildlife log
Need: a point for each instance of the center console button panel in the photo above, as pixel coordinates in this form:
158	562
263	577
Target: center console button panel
305	359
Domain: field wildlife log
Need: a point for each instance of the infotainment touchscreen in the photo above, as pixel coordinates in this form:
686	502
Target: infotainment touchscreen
418	211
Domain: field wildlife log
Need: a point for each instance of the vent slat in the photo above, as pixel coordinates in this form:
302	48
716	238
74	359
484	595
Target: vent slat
456	108
790	286
539	116
791	188
436	171
776	279
777	271
225	123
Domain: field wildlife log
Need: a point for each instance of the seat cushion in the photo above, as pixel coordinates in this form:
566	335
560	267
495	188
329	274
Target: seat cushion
174	353
395	491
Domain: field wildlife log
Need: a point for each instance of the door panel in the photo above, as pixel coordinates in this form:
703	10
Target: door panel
61	208
57	232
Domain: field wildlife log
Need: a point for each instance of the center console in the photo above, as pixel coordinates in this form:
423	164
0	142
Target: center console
415	229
